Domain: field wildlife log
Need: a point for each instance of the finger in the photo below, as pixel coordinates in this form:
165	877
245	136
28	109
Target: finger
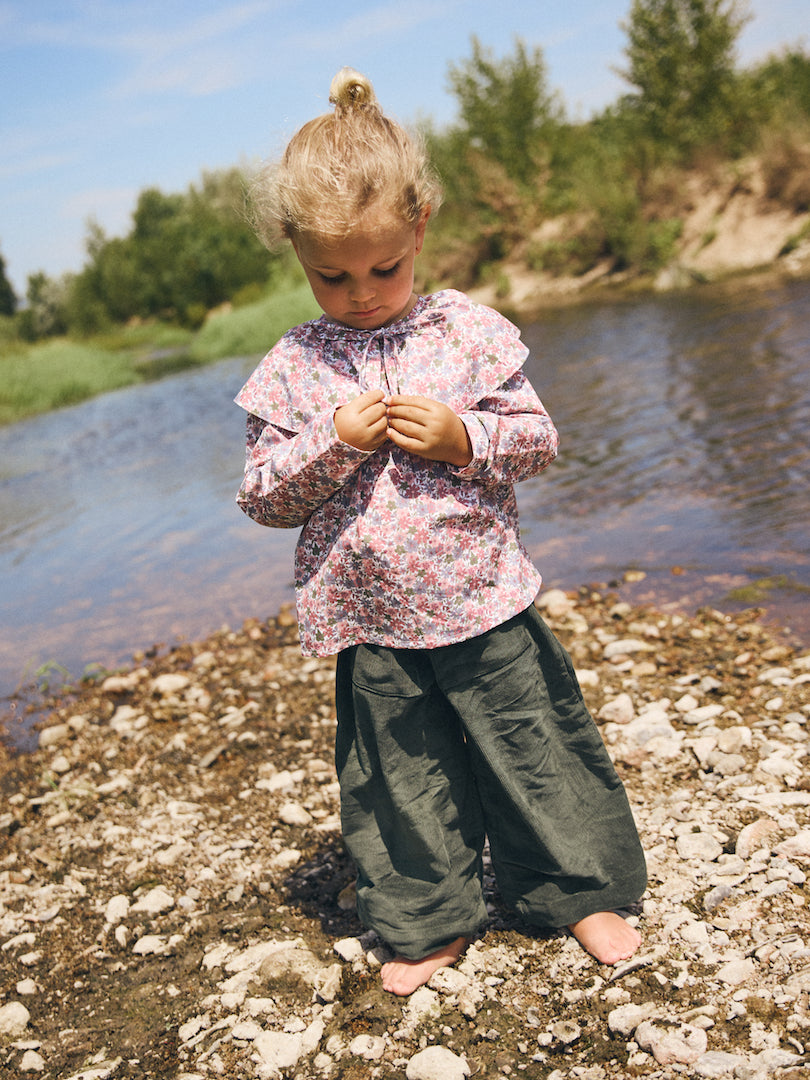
369	397
409	428
373	412
417	414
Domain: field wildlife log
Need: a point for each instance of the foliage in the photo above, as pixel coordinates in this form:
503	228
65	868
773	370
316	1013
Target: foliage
509	164
506	109
786	165
494	162
186	253
681	62
780	86
55	373
254	327
8	299
49	375
45	314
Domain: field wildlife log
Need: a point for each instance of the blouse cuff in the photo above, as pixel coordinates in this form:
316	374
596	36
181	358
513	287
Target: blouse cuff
479	443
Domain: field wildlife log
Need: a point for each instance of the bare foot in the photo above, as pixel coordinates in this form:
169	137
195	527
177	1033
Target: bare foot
606	936
402	976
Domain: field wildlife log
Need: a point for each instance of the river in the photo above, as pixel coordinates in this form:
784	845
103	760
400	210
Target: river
685	456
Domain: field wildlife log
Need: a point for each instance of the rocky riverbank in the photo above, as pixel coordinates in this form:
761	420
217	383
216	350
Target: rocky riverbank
175	900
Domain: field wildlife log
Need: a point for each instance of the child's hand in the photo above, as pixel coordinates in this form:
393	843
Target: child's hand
428	429
362	423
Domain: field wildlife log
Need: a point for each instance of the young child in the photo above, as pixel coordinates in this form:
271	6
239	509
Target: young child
392	429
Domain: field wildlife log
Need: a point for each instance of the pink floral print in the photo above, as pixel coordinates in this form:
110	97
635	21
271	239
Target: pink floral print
396	550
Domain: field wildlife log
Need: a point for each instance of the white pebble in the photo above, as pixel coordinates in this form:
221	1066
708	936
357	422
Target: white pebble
14	1018
437	1063
294	814
369	1047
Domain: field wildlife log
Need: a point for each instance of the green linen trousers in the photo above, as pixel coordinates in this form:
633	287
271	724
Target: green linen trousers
439	749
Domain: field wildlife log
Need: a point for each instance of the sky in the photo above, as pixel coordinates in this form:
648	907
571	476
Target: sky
100	99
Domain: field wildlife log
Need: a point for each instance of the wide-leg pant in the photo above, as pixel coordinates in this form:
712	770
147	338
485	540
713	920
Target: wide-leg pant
437	749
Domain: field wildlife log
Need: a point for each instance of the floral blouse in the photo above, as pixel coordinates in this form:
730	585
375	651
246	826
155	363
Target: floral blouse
396	550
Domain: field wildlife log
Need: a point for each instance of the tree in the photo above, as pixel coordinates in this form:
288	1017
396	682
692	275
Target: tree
8	299
185	254
681	62
507	110
45	312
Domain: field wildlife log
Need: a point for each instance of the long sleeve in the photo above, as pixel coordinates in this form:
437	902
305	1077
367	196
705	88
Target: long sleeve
289	475
511	434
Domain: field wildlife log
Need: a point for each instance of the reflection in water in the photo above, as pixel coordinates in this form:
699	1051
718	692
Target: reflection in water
684	420
686	439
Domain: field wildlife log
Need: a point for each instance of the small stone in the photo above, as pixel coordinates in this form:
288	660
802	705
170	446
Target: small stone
14	1019
624	1019
327	983
797	846
279	1049
172	682
31	1061
618	711
246	1030
736	972
718	1064
701	846
54	735
683	1044
754	836
423	1004
566	1031
368	1047
150	945
437	1063
686	703
625	647
122	684
725	764
292	813
117	909
157	900
192	1027
349	949
555	603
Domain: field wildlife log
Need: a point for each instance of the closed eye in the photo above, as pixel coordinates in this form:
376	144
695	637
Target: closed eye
336	280
387	273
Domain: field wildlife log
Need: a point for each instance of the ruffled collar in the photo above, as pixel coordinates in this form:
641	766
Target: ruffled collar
318	366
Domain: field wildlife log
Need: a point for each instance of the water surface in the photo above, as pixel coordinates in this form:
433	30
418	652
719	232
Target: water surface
685	428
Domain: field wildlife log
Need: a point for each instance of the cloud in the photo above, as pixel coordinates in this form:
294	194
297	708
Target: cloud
200	57
111	207
383	21
33	164
155	46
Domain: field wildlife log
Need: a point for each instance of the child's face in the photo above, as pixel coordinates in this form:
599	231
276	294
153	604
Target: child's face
365	281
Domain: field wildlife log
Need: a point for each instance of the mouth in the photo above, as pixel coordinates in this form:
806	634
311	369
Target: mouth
370	314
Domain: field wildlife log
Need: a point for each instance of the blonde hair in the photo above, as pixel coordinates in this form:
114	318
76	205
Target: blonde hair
338	166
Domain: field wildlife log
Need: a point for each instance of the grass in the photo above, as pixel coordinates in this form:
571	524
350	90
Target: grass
59	372
253	329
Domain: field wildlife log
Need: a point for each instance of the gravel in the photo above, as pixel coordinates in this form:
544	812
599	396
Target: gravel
175	899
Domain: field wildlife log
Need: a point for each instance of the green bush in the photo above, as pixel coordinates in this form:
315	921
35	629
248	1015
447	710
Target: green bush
253	329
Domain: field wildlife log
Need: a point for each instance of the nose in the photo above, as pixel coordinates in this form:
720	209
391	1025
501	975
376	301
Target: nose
361	291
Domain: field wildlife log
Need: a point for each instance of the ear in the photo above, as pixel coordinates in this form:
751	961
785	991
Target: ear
421	225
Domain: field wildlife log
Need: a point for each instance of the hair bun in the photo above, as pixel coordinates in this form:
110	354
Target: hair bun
350	89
